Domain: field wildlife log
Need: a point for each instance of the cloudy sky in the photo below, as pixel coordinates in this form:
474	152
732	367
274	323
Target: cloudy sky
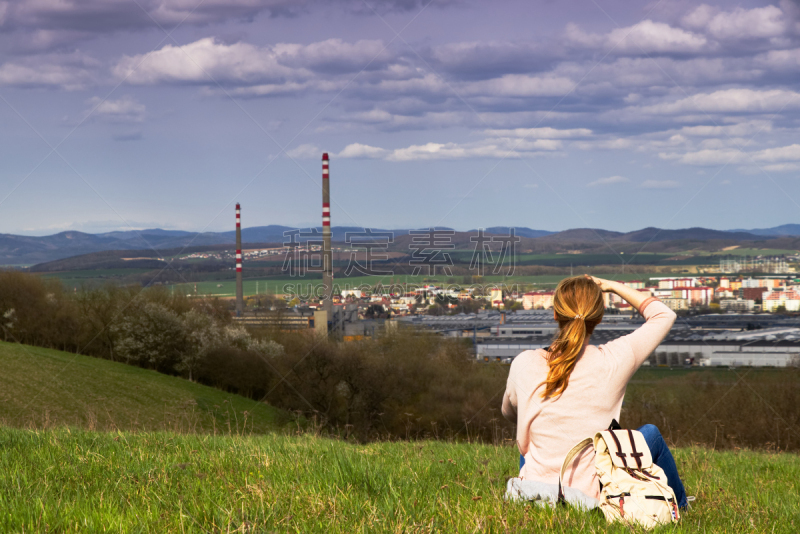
613	114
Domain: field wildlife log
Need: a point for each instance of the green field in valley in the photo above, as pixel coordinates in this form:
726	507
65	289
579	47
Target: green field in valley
90	277
565	260
221	283
95	273
226	287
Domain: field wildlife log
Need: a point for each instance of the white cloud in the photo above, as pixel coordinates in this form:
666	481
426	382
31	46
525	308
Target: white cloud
204	61
779	60
425	83
654	37
730	101
610	144
784	153
306	151
526	145
576	35
645	37
373	116
540	133
520	85
660	184
433	119
126	109
333	55
45	73
102	16
724	156
740	129
699	17
711	157
609	181
357	150
760	23
503	147
428	151
270	89
267	69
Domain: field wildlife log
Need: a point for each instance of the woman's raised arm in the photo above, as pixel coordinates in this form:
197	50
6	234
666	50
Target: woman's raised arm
644	340
632	296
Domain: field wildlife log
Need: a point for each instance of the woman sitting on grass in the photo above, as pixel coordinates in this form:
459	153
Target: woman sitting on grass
572	390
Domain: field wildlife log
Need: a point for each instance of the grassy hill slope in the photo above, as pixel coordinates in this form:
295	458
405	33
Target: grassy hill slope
80	481
40	388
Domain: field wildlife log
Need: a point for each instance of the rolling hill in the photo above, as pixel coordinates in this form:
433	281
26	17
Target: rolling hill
30	250
782	230
153	243
41	388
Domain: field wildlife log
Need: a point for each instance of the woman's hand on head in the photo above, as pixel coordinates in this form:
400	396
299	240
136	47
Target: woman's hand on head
605	285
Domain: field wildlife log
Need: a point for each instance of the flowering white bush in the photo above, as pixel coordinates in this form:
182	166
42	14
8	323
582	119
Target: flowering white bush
151	335
154	336
202	336
8	322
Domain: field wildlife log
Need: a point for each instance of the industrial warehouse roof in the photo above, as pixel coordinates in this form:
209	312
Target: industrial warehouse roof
727	321
681	337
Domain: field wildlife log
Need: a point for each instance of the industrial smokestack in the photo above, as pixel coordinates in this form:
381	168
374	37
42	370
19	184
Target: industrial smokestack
239	292
327	258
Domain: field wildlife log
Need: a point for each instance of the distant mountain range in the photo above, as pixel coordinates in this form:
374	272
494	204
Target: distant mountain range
520	231
656	235
784	229
28	250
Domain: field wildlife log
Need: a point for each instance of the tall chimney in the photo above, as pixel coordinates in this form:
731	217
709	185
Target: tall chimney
239	292
327	258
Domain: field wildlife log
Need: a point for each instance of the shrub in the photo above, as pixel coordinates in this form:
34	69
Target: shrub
37	312
152	336
401	385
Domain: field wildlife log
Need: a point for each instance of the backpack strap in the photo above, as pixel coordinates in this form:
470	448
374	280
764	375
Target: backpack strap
628	449
573	452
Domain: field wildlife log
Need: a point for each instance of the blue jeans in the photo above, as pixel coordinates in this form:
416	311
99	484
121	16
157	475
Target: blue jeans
661	457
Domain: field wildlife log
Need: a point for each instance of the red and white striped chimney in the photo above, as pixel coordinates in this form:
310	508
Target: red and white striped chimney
327	257
238	238
326	205
239	288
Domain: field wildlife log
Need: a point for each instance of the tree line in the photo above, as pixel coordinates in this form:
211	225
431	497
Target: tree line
400	384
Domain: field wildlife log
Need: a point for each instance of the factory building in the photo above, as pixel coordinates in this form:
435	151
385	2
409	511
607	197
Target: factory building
758	340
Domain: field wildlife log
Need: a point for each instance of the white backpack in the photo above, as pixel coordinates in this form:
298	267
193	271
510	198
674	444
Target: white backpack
634	489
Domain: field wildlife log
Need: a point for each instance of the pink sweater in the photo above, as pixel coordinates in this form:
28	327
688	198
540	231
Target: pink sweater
547	429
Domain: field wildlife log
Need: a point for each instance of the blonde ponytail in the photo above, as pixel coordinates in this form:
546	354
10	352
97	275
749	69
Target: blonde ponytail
578	306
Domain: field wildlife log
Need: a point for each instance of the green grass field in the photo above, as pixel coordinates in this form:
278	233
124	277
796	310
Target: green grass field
95	273
80	481
565	260
40	388
78	453
93	277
